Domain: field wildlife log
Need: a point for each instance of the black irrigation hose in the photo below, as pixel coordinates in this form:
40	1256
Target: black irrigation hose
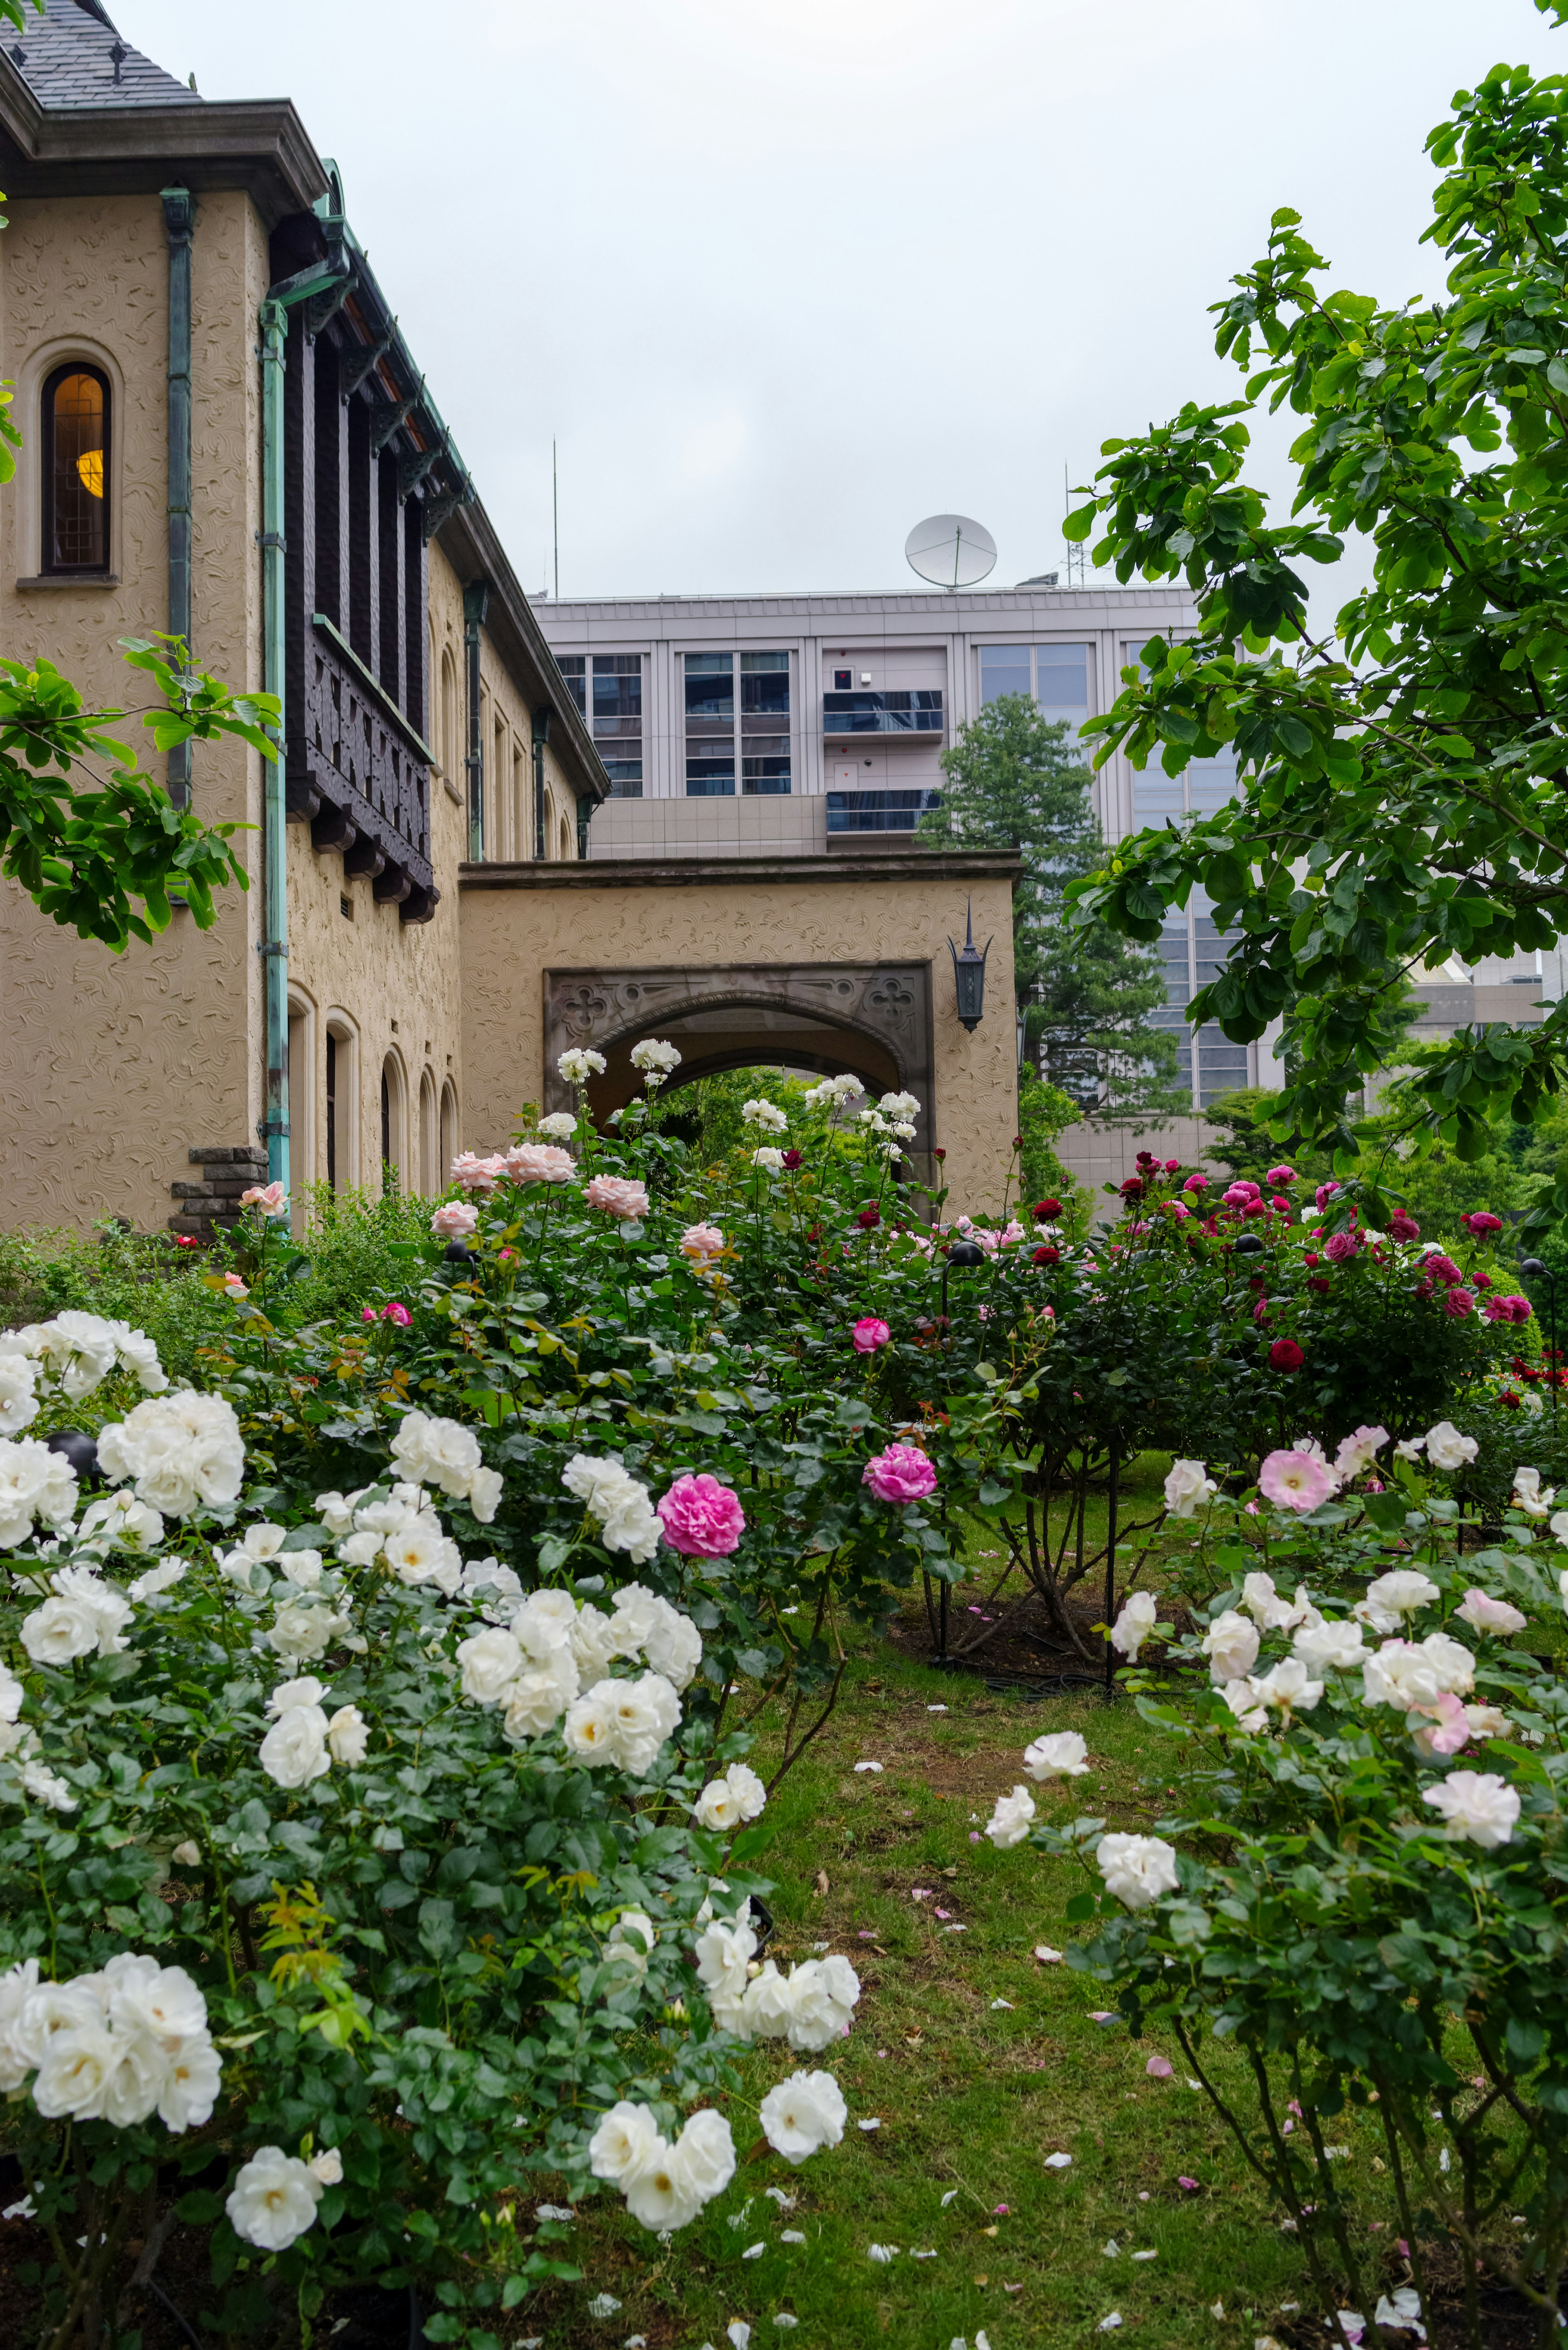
183	2322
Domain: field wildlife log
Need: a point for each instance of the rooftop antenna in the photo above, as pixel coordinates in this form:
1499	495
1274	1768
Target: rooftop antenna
555	519
950	550
1075	555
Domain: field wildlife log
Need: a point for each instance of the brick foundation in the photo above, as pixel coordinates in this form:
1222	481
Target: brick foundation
204	1209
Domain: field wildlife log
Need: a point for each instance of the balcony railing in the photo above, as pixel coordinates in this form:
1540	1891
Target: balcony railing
361	777
879	811
918	712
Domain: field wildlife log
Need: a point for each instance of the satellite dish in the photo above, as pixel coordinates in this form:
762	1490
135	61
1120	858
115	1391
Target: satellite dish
950	550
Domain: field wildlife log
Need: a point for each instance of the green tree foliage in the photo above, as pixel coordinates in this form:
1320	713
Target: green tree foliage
1014	781
1404	786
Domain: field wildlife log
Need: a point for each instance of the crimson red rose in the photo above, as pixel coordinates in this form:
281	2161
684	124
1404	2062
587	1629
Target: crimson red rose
1133	1188
1046	1256
1047	1210
869	1217
938	1154
1285	1355
1481	1221
791	1160
1319	1281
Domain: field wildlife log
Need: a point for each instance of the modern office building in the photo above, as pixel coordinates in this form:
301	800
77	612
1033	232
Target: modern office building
752	724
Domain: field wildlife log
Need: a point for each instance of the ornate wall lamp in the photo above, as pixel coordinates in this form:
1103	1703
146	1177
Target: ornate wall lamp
969	973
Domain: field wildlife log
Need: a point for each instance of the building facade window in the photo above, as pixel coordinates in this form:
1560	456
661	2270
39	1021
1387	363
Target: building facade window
430	1137
448	1131
395	1172
448	746
331	1111
76	467
1056	675
341	1100
757	754
607	691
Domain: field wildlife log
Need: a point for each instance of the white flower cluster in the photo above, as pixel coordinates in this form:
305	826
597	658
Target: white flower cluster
120	1522
578	1064
181	1452
303	1744
445	1453
656	1060
834	1092
84	1616
609	1492
76	1352
19	1747
809	2007
534	1668
1444	1447
35	1484
1136	1868
765	1115
725	1804
1060	1754
117	2045
664	2185
274	2195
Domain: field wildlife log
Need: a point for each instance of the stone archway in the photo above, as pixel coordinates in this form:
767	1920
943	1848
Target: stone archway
873	1019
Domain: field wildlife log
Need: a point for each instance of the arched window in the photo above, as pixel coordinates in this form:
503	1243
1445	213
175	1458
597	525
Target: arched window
568	848
394	1126
448	1134
76	454
342	1138
430	1180
449	715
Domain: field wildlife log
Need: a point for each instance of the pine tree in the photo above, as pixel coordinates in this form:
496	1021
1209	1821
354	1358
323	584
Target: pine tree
1014	780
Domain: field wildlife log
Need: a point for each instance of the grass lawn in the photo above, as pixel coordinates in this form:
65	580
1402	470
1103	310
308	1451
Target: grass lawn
977	2062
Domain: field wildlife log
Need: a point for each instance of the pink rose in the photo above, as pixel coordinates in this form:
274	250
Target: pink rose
1324	1193
869	1333
1402	1227
397	1314
456	1221
1482	1222
1456	1303
272	1198
538	1162
1438	1267
1280	1175
1507	1309
617	1195
1295	1481
1240	1194
1195	1183
902	1473
1339	1246
700	1517
471	1174
366	1314
700	1241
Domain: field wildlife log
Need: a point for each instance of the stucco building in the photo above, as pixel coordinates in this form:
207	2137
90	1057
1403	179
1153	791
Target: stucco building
227	438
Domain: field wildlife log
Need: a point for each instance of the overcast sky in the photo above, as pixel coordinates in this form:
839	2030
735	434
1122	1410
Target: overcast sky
783	276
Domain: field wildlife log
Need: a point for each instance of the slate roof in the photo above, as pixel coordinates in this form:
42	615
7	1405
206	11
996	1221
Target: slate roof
72	56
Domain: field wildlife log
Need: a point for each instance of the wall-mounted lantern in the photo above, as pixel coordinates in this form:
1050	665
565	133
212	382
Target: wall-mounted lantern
969	973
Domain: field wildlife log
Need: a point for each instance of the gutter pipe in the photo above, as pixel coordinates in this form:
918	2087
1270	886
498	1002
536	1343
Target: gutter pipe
179	220
475	605
272	948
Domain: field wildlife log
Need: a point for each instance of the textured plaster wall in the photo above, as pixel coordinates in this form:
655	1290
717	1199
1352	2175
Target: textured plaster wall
118	1064
511	936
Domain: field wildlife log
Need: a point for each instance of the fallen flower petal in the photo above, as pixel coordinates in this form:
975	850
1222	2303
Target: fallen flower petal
785	2320
953	1929
947	2198
868	2126
936	1709
753	2251
1159	2068
1111	2249
882	2253
1147	2256
999	2003
1109	2324
1190	2184
1057	2161
868	1766
790	2236
1046	1955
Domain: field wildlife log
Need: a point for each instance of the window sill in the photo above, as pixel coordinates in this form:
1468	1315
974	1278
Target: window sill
71	579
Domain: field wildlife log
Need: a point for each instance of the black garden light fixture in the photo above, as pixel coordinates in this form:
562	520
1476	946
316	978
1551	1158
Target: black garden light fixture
969	973
1531	1268
1249	1245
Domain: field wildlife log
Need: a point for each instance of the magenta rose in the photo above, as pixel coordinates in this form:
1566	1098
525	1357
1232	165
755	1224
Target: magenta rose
1195	1183
1240	1194
700	1517
1507	1309
1481	1221
1456	1303
902	1473
1280	1175
1402	1227
1324	1193
869	1333
397	1314
1338	1247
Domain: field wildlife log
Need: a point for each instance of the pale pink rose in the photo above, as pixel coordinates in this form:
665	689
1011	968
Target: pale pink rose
1489	1615
869	1333
700	1241
539	1162
1452	1723
902	1473
272	1198
471	1174
700	1517
1295	1481
617	1195
455	1220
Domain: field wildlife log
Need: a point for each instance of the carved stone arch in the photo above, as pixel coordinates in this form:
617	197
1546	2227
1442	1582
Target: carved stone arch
874	1019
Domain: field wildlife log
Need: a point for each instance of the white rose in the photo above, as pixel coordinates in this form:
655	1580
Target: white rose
1527	1492
18	1394
673	1645
1287	1686
1489	1615
301	1567
162	1578
1357	1452
443	1451
659	2191
705	2154
328	2165
1480	1807
188	2090
589	1729
537	1699
544	1623
770	2002
747	1789
489	1662
485	1488
118	1520
306	1691
1409	1674
360	1549
723	1952
59	1630
1231	1645
1134	1625
716	1808
1338	1644
47	1787
1446	1449
1008	1823
631	1939
336	1511
109	1606
1263	1603
595	1643
305	1632
802	2115
419	1553
272	2199
1186	1486
48	2010
558	1126
1136	1868
77	2066
625	2140
349	1736
822	1996
163	2003
1060	1754
294	1751
1402	1591
182	1451
646	1712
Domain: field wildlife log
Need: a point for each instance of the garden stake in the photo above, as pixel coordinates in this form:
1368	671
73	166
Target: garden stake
1110	1565
1534	1270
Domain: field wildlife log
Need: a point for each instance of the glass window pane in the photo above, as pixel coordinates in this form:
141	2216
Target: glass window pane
710	664
1211	784
753	664
711	779
1003	668
1155	796
768	691
78	420
572	666
1061	674
764	778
